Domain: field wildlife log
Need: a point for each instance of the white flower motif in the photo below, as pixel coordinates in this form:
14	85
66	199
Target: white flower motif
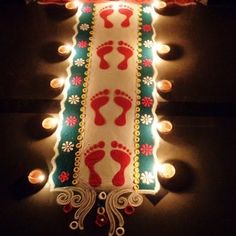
146	119
148	80
148	44
147	9
73	99
67	146
84	27
79	62
147	177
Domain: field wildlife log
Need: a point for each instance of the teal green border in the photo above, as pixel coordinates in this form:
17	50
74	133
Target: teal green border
146	163
65	161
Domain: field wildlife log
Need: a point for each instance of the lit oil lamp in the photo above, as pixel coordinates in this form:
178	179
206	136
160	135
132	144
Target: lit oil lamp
57	83
49	123
166	170
163	49
64	50
164	86
164	126
36	176
160	5
72	5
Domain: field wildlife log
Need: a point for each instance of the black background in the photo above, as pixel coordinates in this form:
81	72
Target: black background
202	107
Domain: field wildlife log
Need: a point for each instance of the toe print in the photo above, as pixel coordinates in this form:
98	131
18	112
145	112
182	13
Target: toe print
120	154
104	14
125	102
103	50
97	101
127	51
92	156
128	12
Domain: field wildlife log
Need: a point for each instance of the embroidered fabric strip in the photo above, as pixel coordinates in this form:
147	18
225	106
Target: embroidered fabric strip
106	152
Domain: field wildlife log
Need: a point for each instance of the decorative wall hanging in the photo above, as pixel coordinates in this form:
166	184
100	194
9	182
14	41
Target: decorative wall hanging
107	147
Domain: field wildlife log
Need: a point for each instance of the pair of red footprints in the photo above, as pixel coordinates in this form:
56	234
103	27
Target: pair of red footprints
119	153
123	9
101	98
96	153
124	49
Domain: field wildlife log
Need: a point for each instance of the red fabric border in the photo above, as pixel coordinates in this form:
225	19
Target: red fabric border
62	2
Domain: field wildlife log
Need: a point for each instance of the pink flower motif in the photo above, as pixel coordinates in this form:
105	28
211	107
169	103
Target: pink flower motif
64	176
76	81
82	44
87	9
146	149
147	28
147	101
147	62
71	121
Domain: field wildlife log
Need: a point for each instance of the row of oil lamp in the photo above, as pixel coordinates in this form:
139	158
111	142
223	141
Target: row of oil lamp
165	170
162	49
163	86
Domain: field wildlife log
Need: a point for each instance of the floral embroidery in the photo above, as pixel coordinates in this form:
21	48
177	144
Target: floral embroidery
71	121
64	176
77	80
84	27
147	177
146	119
146	149
148	80
67	146
147	28
79	62
148	43
147	10
73	99
147	62
147	101
82	44
87	9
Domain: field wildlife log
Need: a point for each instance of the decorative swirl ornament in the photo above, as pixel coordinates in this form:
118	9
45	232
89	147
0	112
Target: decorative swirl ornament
81	198
117	200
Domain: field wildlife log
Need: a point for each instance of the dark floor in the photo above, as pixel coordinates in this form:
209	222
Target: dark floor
202	108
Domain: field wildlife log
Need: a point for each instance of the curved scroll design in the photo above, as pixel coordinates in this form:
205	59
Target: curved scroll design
81	198
117	200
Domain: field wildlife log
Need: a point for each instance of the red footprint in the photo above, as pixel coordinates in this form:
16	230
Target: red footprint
128	12
120	154
126	50
97	101
103	50
125	101
104	13
93	155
